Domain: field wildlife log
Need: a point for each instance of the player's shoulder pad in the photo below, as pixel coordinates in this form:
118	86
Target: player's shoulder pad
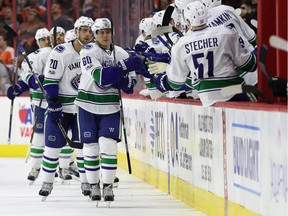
59	48
88	46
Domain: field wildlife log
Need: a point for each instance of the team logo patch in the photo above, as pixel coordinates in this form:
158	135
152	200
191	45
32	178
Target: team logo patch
87	134
75	81
52	138
87	46
51	72
59	48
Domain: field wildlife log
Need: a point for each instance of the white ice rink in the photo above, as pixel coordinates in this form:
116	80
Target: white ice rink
133	197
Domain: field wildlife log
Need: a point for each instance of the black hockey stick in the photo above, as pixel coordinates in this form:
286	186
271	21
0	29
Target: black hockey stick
262	62
13	34
71	143
121	104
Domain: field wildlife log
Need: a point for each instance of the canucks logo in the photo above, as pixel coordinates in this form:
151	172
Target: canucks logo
75	81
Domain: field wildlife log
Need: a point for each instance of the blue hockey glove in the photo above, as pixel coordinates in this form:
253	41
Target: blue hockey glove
17	90
126	84
160	57
54	110
133	63
144	47
33	83
161	83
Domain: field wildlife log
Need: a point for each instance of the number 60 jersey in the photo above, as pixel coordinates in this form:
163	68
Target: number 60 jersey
210	54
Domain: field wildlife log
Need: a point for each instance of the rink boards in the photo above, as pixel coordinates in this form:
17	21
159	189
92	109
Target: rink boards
220	160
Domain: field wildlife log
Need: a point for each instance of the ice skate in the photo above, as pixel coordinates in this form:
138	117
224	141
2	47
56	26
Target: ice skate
45	190
108	194
64	175
95	193
73	170
33	175
116	181
85	187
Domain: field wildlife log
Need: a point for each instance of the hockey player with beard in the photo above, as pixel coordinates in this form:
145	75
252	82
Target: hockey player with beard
38	61
106	69
62	75
210	54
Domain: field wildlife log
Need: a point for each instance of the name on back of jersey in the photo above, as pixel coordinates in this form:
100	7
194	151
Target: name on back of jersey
201	44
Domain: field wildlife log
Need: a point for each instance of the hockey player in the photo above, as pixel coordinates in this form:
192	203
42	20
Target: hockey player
105	70
38	61
210	54
62	76
57	36
225	15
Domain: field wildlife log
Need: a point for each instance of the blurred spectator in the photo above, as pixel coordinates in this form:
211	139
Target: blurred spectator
28	29
8	17
34	4
58	17
249	12
6	52
4	78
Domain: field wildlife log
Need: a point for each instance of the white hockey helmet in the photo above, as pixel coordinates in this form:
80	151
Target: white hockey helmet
146	25
211	3
42	33
181	4
158	18
83	21
70	35
58	29
101	23
196	13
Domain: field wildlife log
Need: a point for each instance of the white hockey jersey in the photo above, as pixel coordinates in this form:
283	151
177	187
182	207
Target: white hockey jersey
63	68
93	97
225	15
210	54
38	61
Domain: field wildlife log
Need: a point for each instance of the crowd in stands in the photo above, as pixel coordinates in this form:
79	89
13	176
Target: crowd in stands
32	15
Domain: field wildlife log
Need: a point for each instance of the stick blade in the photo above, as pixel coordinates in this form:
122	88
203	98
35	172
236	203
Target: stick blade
278	43
231	90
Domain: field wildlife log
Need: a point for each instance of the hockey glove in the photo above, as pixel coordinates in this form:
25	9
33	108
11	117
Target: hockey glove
144	47
33	83
278	86
133	63
126	84
54	110
161	83
17	90
160	57
157	67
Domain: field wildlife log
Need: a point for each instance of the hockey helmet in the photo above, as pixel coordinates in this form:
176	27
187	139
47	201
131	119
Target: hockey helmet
83	21
196	13
158	18
42	33
70	35
181	4
211	3
146	25
58	29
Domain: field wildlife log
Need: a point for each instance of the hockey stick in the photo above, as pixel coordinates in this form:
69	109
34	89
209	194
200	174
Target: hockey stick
262	61
13	35
121	106
238	89
278	43
71	143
